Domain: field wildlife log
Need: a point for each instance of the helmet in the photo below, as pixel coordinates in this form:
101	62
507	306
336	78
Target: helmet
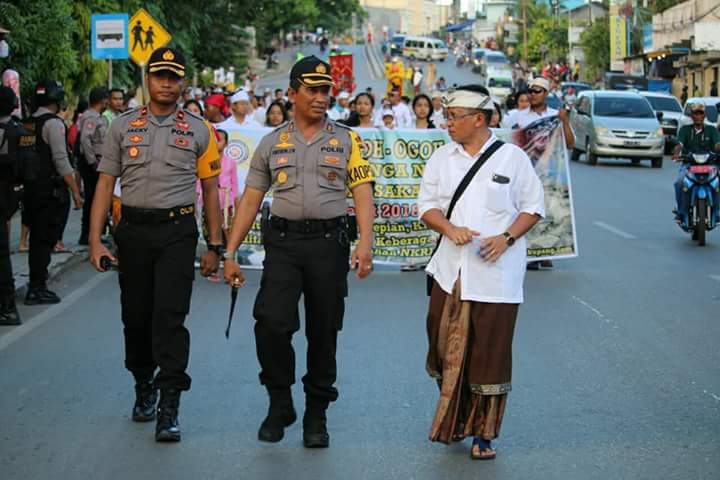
48	92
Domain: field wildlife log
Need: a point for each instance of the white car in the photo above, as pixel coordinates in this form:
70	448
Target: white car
425	48
711	110
671	111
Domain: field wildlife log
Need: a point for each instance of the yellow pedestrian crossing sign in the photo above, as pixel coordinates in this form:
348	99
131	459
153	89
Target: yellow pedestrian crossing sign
145	34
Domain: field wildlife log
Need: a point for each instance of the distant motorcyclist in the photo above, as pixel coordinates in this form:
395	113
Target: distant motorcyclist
696	138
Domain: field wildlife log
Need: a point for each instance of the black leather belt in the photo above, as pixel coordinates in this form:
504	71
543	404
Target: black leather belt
308	226
155	215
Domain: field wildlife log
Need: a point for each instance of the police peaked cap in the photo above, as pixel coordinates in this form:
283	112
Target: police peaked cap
311	72
167	60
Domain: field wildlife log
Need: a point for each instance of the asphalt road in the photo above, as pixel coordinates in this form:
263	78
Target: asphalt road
616	370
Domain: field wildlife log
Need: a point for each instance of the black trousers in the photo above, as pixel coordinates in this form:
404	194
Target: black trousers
156	276
316	266
45	211
7	283
90	179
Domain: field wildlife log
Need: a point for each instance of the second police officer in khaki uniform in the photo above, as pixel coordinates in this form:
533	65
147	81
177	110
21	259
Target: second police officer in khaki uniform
310	163
158	151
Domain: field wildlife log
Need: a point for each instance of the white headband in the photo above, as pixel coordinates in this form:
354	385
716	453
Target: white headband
467	99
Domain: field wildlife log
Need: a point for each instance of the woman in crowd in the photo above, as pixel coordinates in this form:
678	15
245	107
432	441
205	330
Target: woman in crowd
496	118
362	117
423	109
522	102
193	106
276	114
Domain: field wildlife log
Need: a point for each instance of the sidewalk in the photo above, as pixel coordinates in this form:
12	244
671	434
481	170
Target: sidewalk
59	262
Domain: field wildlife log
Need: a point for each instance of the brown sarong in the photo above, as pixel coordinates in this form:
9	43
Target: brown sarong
470	355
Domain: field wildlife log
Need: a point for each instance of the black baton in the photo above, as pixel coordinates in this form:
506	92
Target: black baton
233	299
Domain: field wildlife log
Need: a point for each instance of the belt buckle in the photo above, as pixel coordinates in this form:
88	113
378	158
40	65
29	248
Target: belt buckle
308	226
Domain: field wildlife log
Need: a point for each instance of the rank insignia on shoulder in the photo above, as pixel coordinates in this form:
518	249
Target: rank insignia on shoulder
133	152
180	115
136	138
282	178
181	142
140	122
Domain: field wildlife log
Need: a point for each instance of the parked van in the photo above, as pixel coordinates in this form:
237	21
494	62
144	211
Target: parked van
425	48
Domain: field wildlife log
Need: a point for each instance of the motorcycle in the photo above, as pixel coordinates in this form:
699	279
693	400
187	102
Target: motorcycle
701	182
461	60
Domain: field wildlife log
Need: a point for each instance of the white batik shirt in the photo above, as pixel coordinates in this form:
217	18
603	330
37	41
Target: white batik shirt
504	187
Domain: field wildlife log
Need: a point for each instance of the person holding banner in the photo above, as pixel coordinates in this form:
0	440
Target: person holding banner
310	163
478	269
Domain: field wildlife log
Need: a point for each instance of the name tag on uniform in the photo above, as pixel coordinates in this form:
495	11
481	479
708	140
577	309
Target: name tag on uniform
500	179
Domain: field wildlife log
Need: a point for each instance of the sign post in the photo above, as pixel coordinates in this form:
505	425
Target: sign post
109	39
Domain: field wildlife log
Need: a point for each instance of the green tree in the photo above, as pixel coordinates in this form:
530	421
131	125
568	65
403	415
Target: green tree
595	41
547	36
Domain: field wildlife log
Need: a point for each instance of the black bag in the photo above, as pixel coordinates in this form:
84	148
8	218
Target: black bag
13	166
458	193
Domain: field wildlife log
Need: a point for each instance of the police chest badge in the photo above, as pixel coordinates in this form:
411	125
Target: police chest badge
133	152
140	122
136	138
182	142
182	126
334	142
282	178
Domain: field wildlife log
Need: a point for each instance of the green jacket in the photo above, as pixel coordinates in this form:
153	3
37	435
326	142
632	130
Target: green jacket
698	142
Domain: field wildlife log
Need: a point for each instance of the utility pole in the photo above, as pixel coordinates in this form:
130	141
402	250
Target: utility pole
525	39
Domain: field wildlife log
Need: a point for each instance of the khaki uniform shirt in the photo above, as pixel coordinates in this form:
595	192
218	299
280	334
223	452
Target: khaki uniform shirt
159	162
92	135
309	178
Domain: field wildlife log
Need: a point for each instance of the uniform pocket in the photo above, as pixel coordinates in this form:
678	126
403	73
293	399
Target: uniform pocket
332	172
181	154
135	150
284	172
497	196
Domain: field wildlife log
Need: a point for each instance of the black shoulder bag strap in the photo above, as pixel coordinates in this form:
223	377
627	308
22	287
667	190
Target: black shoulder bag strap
459	191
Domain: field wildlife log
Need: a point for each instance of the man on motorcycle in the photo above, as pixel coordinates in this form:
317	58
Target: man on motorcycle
695	138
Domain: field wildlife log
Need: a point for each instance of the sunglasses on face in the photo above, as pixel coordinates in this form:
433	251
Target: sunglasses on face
536	91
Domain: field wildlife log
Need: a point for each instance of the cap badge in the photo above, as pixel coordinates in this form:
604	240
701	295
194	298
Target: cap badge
321	69
168	55
133	152
282	178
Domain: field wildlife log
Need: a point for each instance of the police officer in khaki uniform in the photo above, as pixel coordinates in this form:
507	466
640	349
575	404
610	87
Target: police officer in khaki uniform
92	135
158	151
310	163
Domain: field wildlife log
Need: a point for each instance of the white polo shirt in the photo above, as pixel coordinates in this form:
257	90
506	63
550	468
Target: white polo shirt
231	123
488	207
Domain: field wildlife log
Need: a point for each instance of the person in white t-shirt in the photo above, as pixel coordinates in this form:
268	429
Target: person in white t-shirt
340	110
240	106
401	111
477	271
438	116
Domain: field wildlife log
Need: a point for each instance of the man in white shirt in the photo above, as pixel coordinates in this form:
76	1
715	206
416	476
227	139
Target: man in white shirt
240	106
340	110
478	269
538	91
403	115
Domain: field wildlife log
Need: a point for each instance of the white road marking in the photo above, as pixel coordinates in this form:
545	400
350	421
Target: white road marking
716	397
19	332
597	312
614	230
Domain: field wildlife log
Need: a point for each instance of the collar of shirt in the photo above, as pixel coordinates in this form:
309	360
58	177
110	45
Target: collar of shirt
460	150
328	127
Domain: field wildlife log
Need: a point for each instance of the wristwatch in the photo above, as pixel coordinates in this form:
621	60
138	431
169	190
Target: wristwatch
218	249
509	239
227	255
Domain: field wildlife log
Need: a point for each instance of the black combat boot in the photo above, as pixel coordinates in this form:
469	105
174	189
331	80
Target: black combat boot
168	428
8	311
41	296
145	400
281	414
315	434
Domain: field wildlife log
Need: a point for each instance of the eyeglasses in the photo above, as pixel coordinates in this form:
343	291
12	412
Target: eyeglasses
536	91
454	118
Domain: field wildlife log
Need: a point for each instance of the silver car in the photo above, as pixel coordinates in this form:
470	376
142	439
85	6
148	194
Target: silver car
671	110
616	124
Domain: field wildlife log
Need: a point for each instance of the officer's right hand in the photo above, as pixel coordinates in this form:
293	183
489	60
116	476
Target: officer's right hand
461	235
97	251
77	198
233	275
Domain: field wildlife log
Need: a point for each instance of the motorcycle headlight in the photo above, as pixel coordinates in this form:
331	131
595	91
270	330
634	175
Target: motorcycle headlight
700	157
602	132
476	62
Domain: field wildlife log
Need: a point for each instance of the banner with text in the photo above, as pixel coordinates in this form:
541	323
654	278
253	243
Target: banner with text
397	159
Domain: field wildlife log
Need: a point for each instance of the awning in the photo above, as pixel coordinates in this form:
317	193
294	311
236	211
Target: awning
460	26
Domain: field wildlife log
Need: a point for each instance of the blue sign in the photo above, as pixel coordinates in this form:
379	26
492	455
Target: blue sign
109	36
